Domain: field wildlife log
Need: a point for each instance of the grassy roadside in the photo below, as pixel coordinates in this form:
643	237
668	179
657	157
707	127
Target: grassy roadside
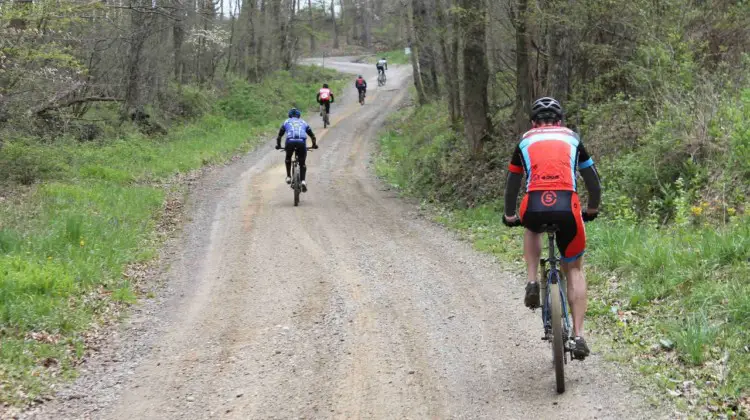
672	303
67	241
394	57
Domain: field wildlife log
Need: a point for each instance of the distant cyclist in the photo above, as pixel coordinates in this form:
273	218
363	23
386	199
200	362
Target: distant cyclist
296	130
325	98
382	66
361	85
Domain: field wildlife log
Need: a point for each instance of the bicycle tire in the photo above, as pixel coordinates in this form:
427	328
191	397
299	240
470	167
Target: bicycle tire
297	186
558	346
325	120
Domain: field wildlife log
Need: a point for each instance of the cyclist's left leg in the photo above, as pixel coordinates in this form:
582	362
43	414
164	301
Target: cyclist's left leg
328	107
532	251
288	160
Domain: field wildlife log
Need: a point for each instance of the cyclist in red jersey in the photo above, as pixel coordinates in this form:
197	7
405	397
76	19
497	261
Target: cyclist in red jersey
549	155
325	98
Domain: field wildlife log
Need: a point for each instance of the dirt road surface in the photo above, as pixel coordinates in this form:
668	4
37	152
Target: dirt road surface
348	306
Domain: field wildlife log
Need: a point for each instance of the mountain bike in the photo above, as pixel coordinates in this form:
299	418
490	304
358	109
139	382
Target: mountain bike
381	78
324	113
296	184
555	312
361	97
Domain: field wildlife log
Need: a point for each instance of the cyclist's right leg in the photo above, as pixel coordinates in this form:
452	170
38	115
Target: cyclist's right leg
328	107
571	240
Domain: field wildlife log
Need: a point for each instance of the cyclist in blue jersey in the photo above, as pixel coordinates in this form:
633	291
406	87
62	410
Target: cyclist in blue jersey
296	130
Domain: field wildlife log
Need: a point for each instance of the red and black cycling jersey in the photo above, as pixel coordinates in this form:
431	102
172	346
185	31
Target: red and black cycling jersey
550	156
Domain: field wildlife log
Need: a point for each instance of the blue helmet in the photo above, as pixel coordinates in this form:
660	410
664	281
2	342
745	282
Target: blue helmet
294	113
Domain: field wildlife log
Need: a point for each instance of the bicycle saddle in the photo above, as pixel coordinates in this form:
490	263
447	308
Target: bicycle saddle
550	228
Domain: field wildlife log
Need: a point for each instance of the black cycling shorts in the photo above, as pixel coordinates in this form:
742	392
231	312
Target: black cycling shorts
561	208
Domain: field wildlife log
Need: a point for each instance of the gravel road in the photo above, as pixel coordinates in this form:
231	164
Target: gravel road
348	306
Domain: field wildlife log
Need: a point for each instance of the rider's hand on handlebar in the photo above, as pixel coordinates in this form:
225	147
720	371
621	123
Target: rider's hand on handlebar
589	214
511	221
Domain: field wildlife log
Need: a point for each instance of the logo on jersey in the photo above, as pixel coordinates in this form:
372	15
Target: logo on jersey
549	198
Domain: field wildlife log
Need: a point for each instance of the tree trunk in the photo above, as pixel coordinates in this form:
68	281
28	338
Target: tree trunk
422	48
450	78
312	26
366	22
138	35
476	74
523	69
561	57
232	35
178	38
421	97
260	52
335	27
454	73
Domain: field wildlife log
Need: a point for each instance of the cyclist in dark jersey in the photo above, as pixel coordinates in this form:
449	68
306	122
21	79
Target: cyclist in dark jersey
296	130
549	155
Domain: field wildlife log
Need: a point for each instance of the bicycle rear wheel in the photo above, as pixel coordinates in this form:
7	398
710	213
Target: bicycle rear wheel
297	186
558	345
325	119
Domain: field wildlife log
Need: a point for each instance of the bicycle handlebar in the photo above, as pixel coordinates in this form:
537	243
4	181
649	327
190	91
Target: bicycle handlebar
512	224
584	215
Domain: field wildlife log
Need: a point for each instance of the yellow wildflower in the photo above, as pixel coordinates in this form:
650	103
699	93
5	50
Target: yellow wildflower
697	211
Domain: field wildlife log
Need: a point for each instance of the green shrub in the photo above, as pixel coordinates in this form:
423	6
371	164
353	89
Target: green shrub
272	98
25	163
187	102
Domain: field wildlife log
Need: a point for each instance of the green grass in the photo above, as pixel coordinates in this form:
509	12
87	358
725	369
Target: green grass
66	242
394	57
671	301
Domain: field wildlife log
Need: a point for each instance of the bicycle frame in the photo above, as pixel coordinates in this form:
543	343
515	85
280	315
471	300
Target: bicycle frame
295	184
326	121
553	275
